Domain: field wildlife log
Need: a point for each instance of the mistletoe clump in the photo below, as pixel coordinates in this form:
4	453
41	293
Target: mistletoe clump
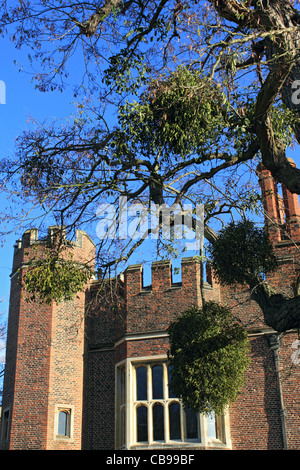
209	356
178	115
54	278
242	253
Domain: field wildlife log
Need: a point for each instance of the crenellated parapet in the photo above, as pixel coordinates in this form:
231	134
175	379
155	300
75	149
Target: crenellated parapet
31	246
146	311
162	277
154	306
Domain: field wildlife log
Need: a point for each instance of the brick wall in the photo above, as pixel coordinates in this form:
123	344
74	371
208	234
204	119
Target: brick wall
254	417
99	401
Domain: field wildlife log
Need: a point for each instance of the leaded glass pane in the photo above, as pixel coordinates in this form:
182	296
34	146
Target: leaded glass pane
141	383
211	426
191	425
142	423
122	426
174	421
157	382
62	423
158	422
171	394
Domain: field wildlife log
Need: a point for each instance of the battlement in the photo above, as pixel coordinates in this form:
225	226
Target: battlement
147	308
83	248
162	277
154	306
30	237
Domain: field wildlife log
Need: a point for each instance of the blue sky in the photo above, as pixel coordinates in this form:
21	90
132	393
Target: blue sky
22	102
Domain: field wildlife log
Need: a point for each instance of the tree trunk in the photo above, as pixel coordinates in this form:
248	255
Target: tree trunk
280	313
280	19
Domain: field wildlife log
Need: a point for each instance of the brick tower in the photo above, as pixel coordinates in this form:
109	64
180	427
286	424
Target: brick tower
42	400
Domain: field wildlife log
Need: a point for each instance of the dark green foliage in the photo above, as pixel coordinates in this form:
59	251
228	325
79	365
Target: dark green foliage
242	253
208	352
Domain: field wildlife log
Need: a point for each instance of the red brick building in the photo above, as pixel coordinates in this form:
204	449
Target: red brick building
92	373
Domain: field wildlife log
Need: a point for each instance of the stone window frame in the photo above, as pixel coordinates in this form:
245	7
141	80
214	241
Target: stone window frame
126	405
69	410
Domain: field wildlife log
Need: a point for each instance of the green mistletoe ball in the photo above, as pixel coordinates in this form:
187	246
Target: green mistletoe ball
209	356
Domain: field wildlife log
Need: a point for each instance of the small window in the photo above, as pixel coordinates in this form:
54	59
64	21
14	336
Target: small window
5	426
64	417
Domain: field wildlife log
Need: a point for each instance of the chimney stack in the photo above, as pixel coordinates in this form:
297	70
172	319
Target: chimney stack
282	214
